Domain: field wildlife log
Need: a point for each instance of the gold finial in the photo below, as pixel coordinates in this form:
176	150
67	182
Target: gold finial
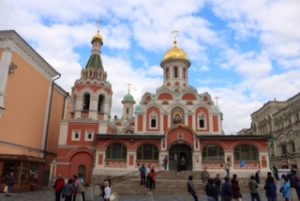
128	87
176	34
98	35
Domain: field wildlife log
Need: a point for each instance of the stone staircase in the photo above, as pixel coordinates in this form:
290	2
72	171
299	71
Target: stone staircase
167	182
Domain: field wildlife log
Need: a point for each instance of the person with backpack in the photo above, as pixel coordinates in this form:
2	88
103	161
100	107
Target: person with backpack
58	186
78	188
152	176
235	188
286	189
253	189
191	189
68	190
271	188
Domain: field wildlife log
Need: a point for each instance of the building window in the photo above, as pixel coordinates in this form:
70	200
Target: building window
86	101
101	103
153	122
127	110
76	135
147	152
89	136
167	73
246	152
175	71
116	151
201	122
184	73
284	149
213	153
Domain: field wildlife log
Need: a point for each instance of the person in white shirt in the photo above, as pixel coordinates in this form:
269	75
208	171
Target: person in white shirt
107	191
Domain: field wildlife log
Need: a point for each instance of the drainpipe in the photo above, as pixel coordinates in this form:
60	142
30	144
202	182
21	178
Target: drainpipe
49	114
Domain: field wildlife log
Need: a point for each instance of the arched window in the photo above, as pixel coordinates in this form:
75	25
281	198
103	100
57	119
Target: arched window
245	152
147	152
86	101
201	121
101	103
167	73
116	151
184	73
153	122
175	72
213	153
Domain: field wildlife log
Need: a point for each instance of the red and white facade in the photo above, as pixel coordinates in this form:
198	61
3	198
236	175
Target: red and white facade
176	121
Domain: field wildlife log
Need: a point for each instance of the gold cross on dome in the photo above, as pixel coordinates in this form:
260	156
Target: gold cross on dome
176	35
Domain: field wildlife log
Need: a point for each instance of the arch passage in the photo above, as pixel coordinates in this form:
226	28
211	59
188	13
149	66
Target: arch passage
176	153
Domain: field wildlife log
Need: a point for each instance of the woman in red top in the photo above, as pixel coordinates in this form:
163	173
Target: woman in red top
152	175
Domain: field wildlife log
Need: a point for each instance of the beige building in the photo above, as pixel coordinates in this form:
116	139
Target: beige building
31	107
280	120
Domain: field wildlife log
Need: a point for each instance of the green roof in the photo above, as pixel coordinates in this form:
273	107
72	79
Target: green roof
94	62
128	98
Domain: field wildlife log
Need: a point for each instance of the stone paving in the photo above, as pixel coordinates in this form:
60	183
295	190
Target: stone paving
48	195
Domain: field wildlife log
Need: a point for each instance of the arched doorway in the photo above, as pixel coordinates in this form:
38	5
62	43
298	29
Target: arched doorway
176	153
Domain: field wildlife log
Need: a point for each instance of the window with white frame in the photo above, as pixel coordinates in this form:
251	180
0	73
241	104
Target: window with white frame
153	120
75	135
89	135
201	121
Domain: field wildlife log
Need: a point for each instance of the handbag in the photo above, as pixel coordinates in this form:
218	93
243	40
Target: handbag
112	197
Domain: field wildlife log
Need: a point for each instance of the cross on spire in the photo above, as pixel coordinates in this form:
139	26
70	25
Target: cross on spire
129	85
98	25
176	35
217	98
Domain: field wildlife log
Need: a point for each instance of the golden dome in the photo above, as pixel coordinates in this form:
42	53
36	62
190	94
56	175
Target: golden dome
176	53
97	37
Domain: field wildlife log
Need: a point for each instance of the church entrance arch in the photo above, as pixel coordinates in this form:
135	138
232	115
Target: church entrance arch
180	157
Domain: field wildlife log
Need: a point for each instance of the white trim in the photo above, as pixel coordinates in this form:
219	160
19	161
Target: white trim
21	47
86	135
73	137
46	117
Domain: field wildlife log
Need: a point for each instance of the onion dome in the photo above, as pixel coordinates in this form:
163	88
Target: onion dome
175	53
138	109
97	37
128	99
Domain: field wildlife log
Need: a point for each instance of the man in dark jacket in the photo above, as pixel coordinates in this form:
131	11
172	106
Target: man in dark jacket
226	192
191	188
211	191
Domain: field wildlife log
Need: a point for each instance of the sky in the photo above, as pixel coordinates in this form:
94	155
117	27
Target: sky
245	52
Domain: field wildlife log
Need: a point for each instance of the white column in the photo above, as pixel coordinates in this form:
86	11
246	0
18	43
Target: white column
93	108
5	62
78	107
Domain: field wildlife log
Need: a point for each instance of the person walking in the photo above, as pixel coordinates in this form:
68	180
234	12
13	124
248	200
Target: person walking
191	189
142	171
253	189
235	188
58	187
68	190
227	166
271	188
217	183
107	191
211	190
275	172
152	178
286	189
204	176
226	192
9	181
148	176
81	185
165	162
295	182
257	179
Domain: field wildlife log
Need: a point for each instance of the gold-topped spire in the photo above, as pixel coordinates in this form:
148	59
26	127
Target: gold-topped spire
98	36
175	52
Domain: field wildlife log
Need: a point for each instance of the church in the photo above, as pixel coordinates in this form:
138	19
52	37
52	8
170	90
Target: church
175	122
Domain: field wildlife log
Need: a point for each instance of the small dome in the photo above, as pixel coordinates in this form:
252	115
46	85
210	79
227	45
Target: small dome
97	37
176	53
138	109
128	98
